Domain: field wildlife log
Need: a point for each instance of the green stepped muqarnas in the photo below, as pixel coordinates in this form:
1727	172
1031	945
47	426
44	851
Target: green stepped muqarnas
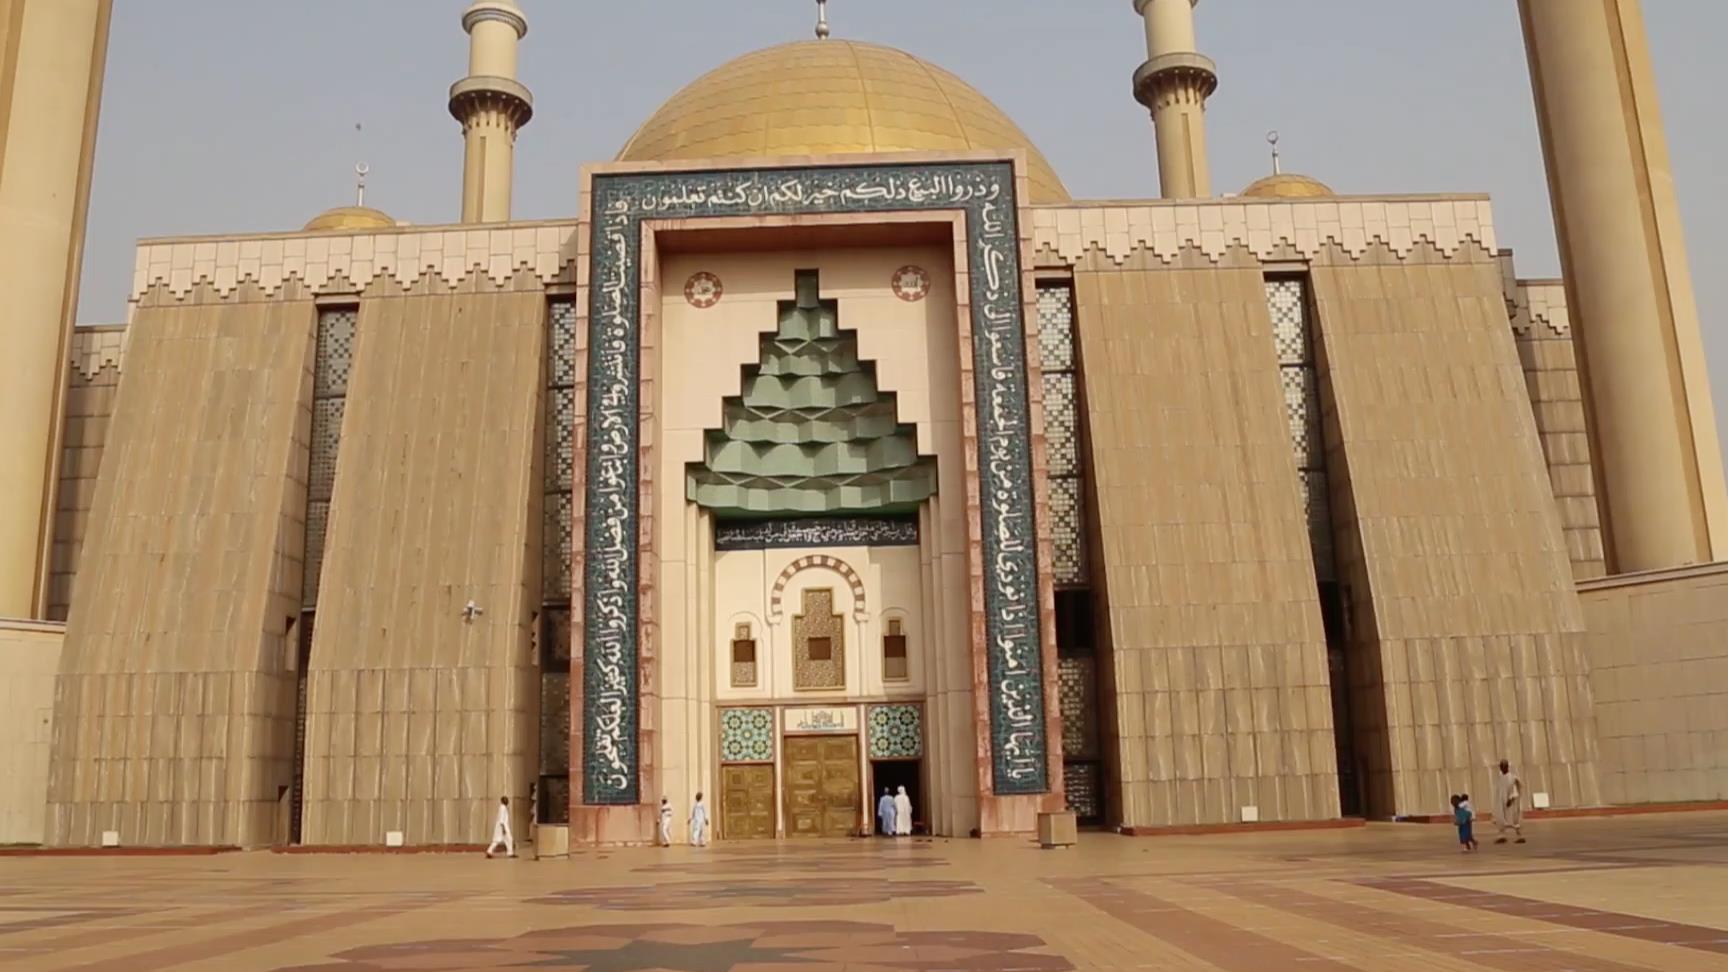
812	434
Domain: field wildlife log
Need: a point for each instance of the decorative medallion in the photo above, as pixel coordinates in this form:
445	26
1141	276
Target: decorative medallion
703	290
911	284
611	508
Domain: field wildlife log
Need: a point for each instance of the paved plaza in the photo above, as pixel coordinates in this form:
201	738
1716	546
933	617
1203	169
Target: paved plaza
1597	895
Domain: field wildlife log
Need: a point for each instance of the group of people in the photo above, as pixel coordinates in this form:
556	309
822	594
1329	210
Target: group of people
894	814
698	822
1508	810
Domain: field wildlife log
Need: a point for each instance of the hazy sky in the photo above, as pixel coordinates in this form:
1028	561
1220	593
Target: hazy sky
228	116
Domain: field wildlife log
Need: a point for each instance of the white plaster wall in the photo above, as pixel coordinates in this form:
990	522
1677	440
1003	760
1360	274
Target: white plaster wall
916	348
893	586
29	658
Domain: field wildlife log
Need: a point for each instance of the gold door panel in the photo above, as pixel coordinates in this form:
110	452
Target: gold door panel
822	786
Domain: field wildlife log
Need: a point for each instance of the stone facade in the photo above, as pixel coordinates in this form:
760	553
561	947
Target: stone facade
1460	510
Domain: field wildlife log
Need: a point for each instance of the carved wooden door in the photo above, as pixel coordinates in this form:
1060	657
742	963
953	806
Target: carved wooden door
747	802
822	795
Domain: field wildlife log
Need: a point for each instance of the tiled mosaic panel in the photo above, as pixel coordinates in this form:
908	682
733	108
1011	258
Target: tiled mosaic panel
1077	693
1056	327
560	439
556	540
335	352
1285	299
554	722
562	370
1085	795
560	459
818	620
312	567
326	438
556	654
1068	531
746	735
1061	424
896	732
333	361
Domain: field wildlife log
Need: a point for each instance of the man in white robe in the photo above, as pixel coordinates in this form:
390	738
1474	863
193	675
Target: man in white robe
501	833
665	822
699	823
1509	803
902	813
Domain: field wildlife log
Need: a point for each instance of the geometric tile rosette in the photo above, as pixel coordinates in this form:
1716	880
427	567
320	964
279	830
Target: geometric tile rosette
896	732
746	735
764	945
611	524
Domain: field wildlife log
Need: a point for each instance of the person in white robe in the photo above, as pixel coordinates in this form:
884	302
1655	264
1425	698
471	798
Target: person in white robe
1509	803
665	822
501	833
902	813
699	823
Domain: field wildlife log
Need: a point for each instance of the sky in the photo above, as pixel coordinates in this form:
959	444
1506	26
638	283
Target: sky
233	116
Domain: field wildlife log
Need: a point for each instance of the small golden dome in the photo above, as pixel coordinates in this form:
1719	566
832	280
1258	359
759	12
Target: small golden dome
830	97
350	218
1288	185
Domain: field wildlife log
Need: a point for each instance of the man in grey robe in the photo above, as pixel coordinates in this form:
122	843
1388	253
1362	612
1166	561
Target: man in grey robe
1509	803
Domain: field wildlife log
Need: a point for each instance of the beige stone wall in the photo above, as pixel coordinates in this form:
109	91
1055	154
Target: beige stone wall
174	702
1542	329
1452	548
1214	641
418	721
29	657
1658	653
97	353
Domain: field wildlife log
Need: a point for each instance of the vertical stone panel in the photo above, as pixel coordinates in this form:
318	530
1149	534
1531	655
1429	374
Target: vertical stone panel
174	702
97	353
435	505
1457	567
1215	651
1659	670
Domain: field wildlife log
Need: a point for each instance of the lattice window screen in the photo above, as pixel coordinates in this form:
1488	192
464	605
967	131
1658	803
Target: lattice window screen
1067	510
333	360
555	544
1287	299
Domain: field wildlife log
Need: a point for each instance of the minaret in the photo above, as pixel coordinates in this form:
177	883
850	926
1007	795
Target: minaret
491	105
1629	293
1174	83
52	54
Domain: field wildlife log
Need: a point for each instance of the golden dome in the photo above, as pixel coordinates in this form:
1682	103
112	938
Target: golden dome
1288	185
831	97
350	218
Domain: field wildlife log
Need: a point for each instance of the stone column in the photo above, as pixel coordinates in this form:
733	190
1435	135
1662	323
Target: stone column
1174	84
51	57
492	106
1659	461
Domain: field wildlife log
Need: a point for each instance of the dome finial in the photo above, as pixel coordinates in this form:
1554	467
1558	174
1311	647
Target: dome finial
822	30
1272	140
360	172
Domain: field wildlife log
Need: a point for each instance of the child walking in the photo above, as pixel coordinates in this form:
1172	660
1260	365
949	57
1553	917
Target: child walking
1464	816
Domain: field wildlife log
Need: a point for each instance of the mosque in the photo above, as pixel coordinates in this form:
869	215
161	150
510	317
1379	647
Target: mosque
830	447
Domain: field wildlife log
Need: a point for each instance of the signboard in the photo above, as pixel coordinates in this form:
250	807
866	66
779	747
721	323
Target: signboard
841	719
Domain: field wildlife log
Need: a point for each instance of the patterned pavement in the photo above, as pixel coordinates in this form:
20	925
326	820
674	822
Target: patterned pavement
1627	894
